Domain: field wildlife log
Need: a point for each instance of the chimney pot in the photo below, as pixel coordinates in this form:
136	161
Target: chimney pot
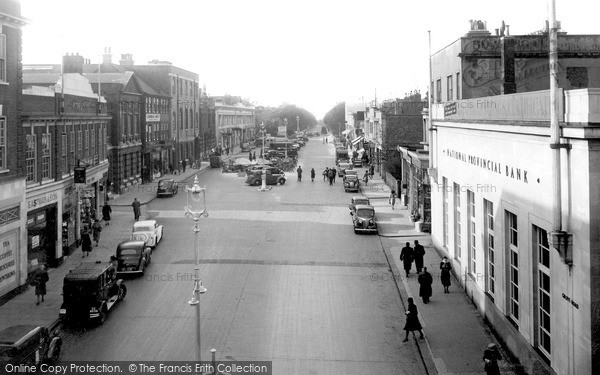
507	30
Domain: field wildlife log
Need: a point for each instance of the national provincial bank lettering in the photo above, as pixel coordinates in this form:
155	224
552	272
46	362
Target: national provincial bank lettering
492	166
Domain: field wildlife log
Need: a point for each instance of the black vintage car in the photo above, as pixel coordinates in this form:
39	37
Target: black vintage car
90	291
133	257
29	345
167	187
364	219
274	176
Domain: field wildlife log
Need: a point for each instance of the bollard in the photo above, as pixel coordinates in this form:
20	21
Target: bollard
213	351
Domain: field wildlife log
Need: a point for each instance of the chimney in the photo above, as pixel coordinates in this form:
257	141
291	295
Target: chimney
73	63
107	56
507	30
478	28
126	59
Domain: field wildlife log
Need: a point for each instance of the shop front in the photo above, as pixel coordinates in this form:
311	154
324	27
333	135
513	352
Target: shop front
42	229
13	259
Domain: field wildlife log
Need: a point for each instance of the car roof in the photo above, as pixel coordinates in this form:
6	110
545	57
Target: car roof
88	270
144	223
359	197
351	177
365	207
16	335
130	244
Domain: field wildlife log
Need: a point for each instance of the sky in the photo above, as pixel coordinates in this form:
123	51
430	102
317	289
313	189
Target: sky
310	53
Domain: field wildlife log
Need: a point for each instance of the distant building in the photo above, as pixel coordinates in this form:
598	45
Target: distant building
234	122
14	261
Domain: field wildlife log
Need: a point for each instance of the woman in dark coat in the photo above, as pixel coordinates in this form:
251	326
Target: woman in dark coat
41	278
86	243
412	319
425	281
406	256
446	267
106	211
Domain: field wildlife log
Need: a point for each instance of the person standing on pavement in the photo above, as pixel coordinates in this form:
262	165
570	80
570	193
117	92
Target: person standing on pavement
40	280
96	229
326	174
372	169
412	320
334	174
136	209
366	177
392	199
86	243
446	267
299	171
183	164
425	280
491	356
406	256
312	175
419	253
106	211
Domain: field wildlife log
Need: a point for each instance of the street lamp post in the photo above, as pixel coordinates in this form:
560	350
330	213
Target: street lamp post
195	209
298	124
263	186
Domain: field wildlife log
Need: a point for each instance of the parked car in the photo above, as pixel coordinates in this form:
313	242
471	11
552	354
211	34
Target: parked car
167	187
350	172
133	257
364	219
351	183
341	168
275	176
29	345
357	163
147	231
258	167
90	291
358	200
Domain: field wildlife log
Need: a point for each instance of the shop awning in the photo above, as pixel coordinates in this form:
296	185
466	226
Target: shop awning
345	132
354	142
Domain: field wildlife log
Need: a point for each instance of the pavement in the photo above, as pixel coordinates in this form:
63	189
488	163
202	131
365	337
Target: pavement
22	308
455	332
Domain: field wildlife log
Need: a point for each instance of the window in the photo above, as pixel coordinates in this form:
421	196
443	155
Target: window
513	255
542	253
438	90
30	158
46	148
63	153
86	143
472	233
72	141
93	141
445	208
3	163
490	282
3	58
449	93
457	224
458	86
79	140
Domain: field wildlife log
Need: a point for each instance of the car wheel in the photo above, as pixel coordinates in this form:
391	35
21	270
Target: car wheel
122	292
102	316
355	231
55	354
281	181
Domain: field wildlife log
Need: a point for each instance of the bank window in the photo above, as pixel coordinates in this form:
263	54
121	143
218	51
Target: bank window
3	163
438	90
30	157
472	233
490	254
46	158
445	214
449	93
543	318
513	256
457	223
3	58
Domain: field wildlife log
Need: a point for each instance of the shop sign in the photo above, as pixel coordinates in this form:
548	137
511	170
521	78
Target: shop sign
42	200
8	256
35	241
152	117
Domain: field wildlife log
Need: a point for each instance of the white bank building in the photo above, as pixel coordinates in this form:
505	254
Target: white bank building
492	212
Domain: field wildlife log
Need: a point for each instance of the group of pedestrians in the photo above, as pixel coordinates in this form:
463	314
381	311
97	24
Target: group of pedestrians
299	172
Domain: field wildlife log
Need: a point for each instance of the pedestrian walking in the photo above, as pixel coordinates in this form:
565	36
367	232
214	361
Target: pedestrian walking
250	155
334	174
136	209
40	278
446	267
86	243
412	320
106	211
425	280
392	199
372	170
312	175
491	356
96	229
299	172
406	256
326	174
183	164
418	254
331	176
366	177
254	156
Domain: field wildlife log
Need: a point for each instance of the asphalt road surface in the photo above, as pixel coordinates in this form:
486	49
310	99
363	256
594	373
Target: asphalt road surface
288	281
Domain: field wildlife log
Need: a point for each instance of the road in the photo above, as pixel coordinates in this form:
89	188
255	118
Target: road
288	281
